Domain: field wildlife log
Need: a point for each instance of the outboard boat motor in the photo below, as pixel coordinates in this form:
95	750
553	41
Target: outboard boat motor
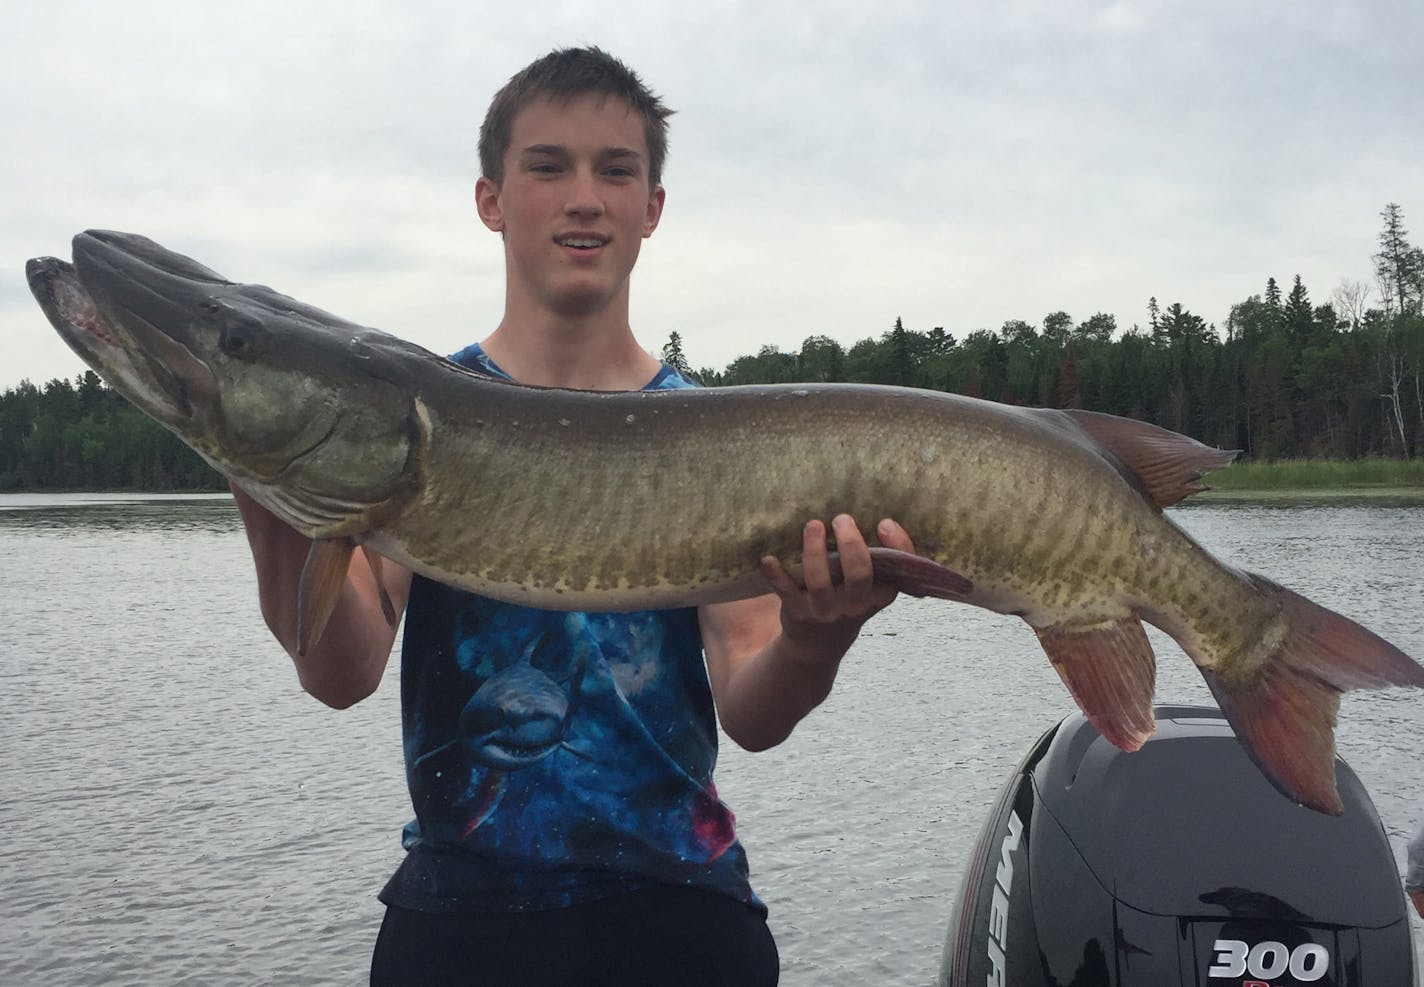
1176	866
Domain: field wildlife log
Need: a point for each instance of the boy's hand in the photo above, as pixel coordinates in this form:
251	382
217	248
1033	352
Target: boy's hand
819	614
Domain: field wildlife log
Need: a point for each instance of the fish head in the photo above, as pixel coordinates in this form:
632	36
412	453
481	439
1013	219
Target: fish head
287	400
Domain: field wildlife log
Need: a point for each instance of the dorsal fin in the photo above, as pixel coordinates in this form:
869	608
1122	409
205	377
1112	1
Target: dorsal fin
1168	464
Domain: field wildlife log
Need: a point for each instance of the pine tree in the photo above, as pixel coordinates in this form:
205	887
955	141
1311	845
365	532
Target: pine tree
1299	316
1399	266
902	361
673	355
1273	293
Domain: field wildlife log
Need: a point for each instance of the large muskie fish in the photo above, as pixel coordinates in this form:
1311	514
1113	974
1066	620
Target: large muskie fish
620	501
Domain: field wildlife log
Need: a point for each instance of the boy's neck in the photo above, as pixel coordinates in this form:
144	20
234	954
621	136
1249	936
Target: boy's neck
594	352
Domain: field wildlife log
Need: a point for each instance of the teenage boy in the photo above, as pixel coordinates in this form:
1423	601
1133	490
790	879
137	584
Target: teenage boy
567	827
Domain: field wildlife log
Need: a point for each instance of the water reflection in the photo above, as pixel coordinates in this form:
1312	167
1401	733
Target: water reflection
70	513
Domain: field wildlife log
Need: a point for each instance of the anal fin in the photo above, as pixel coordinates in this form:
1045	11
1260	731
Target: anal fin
1111	671
323	575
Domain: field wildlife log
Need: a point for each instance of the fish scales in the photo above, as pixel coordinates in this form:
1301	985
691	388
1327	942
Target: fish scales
612	513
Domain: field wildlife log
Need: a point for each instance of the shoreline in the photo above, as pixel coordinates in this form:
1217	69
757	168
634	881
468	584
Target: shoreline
1296	495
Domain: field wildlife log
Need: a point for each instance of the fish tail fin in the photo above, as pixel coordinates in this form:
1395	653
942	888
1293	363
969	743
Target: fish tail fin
1284	714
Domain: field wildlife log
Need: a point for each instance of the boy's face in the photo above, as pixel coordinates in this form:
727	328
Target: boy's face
575	203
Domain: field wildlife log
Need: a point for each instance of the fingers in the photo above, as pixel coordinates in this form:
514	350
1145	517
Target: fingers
891	535
781	581
816	571
830	589
824	609
857	573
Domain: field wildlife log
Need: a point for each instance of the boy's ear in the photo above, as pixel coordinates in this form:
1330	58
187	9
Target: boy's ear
655	210
487	204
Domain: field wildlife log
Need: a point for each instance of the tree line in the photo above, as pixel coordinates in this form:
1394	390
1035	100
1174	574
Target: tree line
1283	378
81	435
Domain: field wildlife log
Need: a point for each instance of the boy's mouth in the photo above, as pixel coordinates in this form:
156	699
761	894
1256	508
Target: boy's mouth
582	241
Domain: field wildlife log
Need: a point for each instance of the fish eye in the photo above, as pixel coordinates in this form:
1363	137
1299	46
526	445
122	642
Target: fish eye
240	341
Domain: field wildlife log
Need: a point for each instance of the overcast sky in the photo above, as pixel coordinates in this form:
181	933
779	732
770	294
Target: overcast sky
833	165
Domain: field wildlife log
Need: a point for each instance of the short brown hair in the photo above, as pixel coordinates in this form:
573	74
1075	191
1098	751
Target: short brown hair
562	75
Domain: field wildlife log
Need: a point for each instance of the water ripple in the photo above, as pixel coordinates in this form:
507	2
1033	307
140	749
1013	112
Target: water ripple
176	806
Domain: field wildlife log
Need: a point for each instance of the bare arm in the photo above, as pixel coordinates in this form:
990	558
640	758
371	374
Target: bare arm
773	659
346	664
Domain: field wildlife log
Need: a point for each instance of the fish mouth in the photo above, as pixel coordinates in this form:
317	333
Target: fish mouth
159	328
165	388
55	284
507	748
507	751
135	258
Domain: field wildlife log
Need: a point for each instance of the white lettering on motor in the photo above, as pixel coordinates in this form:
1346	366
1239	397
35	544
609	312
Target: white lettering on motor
999	905
998	915
1268	959
996	965
1230	958
1309	962
1234	958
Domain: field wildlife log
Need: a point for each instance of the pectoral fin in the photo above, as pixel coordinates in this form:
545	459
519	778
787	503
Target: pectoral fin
322	578
373	559
1111	672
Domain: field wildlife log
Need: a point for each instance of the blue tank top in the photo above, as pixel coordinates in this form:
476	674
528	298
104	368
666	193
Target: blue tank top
555	758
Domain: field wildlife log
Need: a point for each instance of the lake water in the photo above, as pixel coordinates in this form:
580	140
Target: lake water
177	811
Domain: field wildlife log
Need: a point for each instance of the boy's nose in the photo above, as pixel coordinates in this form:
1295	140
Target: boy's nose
583	195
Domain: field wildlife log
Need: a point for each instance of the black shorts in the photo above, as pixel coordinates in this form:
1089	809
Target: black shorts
653	937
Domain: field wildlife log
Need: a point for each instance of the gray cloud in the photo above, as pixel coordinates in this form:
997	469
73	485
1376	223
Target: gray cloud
833	166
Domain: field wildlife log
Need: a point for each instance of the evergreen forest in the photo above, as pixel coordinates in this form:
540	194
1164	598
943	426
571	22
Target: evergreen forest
1286	377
